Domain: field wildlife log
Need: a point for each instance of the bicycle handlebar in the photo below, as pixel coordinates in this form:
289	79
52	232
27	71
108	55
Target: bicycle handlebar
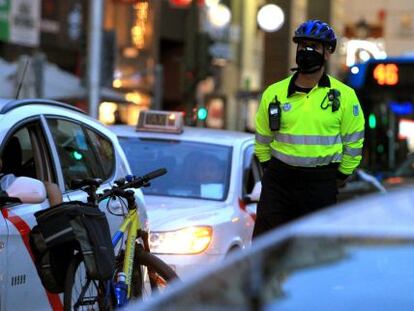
144	179
136	182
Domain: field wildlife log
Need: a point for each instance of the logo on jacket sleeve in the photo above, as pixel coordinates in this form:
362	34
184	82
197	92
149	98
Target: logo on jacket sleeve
286	107
356	110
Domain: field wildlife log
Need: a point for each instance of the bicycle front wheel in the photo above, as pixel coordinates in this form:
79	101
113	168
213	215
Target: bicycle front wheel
81	293
150	274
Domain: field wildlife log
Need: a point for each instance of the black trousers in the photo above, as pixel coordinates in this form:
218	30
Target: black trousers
290	192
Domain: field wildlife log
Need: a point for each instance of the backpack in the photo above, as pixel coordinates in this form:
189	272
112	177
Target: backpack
62	230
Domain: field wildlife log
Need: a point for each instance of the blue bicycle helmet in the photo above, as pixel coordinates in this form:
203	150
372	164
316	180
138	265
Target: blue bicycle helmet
318	31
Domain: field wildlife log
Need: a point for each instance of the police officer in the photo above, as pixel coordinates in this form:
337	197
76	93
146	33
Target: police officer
309	133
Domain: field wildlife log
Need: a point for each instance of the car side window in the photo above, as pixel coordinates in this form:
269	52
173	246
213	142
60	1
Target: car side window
251	170
24	153
17	155
105	152
77	159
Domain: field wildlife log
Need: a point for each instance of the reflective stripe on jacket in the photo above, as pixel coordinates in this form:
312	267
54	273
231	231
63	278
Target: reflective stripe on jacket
310	136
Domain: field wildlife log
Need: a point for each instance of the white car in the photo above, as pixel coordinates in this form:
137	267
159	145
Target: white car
54	143
203	208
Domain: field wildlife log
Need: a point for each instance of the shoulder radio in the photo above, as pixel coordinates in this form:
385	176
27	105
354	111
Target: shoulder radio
333	100
274	114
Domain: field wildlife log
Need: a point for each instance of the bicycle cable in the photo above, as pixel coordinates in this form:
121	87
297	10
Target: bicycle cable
124	207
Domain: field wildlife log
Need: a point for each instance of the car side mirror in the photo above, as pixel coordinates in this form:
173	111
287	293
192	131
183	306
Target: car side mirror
27	190
254	196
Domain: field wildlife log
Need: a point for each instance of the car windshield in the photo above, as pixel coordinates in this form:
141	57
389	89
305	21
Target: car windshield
194	170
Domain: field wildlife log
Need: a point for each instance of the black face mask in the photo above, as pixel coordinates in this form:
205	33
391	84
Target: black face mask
309	61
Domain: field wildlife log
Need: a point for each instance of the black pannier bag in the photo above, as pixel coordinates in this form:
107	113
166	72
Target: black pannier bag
51	263
63	228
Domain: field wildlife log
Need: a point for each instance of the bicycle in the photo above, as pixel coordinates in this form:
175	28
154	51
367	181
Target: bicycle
137	270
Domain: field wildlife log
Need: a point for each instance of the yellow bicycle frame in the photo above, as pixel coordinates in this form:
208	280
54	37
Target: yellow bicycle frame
131	224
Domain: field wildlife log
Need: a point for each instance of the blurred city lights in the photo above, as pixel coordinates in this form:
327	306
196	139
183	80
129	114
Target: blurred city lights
372	121
219	15
364	50
364	55
404	108
355	70
405	128
117	83
106	112
141	11
211	3
130	52
270	17
180	3
134	97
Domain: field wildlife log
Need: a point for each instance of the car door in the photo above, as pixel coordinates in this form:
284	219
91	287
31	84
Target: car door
251	176
3	261
24	153
83	152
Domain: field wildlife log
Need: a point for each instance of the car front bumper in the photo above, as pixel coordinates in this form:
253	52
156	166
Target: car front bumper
188	265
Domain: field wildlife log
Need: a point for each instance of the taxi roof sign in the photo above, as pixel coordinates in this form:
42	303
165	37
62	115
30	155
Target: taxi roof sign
160	121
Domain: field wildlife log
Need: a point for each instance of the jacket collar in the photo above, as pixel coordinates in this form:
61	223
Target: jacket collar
323	82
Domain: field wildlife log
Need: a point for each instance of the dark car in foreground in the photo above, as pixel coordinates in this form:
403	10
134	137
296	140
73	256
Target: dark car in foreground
356	256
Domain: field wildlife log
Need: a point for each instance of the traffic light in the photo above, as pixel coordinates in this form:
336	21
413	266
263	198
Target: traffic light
372	121
76	155
202	113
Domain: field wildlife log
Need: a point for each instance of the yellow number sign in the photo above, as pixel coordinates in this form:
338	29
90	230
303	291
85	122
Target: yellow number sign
386	74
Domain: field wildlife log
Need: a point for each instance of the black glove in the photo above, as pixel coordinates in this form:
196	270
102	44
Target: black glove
341	179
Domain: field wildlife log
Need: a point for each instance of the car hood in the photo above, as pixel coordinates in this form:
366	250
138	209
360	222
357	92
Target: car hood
166	213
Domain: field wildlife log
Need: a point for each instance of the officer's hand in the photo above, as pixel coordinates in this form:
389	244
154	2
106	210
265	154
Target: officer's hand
341	179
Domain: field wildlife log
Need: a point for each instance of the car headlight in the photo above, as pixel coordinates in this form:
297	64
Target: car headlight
190	240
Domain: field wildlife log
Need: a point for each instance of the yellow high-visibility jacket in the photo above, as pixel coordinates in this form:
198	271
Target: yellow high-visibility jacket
309	135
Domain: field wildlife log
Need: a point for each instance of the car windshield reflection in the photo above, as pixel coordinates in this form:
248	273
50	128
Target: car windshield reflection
195	170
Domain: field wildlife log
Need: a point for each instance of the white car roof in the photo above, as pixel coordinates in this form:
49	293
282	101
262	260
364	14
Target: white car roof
7	104
45	106
212	136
